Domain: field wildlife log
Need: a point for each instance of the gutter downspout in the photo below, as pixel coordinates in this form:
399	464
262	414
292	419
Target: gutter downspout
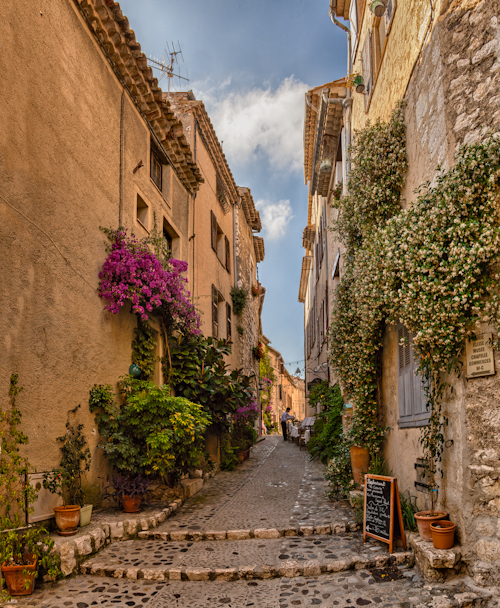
347	102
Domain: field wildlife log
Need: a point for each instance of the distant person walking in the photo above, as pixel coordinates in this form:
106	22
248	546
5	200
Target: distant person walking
284	417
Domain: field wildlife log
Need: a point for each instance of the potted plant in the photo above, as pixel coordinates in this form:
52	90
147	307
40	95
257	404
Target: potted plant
443	534
425	519
129	491
67	516
66	481
23	550
377	7
356	82
243	431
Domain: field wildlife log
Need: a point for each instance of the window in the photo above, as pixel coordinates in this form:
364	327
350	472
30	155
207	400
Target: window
156	169
142	212
215	312
228	315
228	254
411	396
220	243
171	238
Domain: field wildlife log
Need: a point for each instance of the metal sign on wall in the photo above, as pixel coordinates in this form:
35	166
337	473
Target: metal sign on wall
479	355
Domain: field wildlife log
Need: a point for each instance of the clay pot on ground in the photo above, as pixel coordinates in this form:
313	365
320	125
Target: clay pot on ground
16	576
85	515
443	534
424	519
360	460
67	519
243	455
132	504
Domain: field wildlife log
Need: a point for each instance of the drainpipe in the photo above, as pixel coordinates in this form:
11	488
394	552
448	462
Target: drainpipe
347	102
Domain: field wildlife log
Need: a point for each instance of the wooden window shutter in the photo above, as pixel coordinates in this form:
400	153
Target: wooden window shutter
213	223
411	395
228	313
215	312
367	62
228	255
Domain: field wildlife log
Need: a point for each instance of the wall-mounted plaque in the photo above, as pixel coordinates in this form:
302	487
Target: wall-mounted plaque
479	355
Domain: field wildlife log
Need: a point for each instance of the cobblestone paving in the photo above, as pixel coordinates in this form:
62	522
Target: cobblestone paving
343	590
161	556
278	487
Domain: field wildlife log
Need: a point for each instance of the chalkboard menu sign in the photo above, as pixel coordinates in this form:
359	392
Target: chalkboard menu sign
382	519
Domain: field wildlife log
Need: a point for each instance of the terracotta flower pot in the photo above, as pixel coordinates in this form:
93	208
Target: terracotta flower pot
443	534
424	519
16	576
240	456
67	519
132	504
360	460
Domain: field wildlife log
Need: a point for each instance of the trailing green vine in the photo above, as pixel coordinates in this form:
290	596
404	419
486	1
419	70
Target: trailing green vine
144	349
432	266
239	297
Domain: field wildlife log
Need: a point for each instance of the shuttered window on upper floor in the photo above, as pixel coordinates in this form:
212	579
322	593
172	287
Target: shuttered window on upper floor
411	395
367	63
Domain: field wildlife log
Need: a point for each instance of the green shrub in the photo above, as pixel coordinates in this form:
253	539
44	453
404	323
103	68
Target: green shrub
239	297
328	425
339	473
151	432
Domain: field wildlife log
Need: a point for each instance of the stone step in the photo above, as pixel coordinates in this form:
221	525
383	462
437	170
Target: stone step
264	533
242	559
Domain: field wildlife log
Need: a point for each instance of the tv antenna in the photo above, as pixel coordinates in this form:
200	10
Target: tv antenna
168	63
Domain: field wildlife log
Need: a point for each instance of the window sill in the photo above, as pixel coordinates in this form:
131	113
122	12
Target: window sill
142	225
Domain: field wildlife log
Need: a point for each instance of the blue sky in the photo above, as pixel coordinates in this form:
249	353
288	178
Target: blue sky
251	61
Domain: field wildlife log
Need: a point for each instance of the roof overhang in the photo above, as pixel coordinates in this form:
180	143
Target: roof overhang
322	127
307	261
258	245
251	214
111	28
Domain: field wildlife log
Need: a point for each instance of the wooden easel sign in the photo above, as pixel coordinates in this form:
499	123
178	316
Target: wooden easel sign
382	517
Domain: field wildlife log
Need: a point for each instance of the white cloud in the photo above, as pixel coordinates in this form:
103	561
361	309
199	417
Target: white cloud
275	218
260	123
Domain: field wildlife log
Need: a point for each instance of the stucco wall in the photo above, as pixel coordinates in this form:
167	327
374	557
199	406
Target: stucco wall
60	176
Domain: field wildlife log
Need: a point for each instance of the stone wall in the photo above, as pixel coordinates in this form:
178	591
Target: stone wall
453	98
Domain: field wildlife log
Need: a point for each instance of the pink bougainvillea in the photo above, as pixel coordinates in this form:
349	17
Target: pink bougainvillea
247	413
132	273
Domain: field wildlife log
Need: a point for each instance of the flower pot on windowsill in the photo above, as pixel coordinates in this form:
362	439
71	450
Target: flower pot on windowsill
67	519
360	460
424	519
85	515
17	576
443	534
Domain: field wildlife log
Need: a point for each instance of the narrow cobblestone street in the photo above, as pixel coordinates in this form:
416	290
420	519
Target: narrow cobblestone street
265	536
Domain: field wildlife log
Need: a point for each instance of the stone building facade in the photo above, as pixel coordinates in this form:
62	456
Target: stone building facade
226	247
287	391
321	265
443	59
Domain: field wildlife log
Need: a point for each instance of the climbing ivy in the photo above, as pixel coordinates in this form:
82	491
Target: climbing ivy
432	266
